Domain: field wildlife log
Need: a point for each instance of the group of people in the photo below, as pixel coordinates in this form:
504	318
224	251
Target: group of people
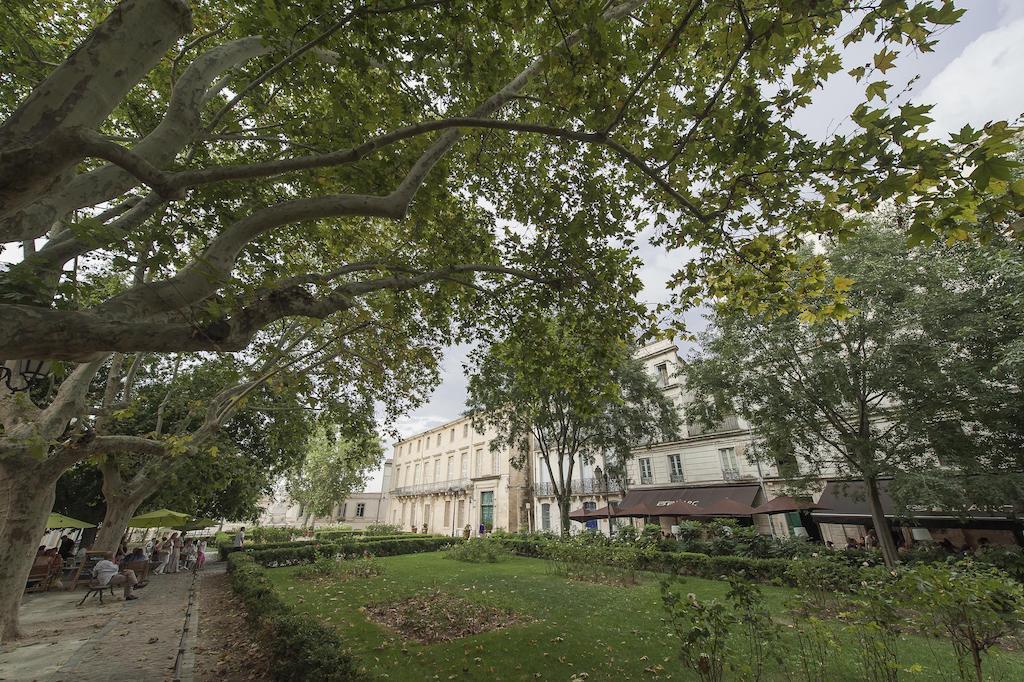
174	554
165	554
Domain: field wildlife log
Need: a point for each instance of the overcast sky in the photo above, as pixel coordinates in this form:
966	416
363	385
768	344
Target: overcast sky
973	76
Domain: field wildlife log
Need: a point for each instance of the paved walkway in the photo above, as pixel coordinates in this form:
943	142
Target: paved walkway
136	640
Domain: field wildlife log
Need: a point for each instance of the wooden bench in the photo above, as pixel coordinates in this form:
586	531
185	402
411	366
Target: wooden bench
41	575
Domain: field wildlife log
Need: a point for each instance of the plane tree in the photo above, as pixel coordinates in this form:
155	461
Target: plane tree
232	167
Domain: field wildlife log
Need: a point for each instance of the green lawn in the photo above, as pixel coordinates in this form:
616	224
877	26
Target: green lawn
609	633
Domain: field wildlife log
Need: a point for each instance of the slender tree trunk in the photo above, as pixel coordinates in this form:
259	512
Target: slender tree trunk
563	514
120	510
882	529
28	494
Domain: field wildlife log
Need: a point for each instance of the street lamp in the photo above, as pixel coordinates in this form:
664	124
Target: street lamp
21	375
603	477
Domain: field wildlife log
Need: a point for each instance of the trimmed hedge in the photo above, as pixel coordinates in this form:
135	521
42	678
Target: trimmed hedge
302	648
337	534
680	563
291	556
226	549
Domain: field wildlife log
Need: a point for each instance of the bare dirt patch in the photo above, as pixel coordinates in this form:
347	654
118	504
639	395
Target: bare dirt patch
437	616
226	647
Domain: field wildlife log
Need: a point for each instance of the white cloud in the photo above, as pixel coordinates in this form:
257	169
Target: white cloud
983	83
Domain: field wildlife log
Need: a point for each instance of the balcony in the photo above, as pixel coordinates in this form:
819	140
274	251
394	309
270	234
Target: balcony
646	480
588	486
677	478
439	488
730	423
730	475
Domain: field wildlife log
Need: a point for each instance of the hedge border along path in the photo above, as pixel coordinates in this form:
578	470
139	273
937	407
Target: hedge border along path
301	647
226	549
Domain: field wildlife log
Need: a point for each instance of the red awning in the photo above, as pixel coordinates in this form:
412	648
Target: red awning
710	500
723	507
786	503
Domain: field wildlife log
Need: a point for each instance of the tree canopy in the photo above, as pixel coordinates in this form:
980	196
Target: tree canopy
567	387
333	467
909	382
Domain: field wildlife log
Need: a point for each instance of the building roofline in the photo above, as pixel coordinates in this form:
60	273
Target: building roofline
439	427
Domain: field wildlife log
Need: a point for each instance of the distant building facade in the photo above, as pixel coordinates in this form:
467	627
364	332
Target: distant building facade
359	510
447	480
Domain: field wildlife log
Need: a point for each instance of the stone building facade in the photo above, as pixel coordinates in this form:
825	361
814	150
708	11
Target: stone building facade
447	480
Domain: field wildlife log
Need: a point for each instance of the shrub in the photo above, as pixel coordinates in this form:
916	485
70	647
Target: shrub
823	580
301	647
479	551
382	529
261	534
974	605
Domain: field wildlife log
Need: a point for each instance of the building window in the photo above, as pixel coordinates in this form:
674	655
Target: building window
662	374
479	464
447	513
437	469
465	430
646	475
675	466
545	516
487	509
591	506
416	475
398	475
419	444
465	465
344	510
360	510
730	469
494	463
426	516
451	467
461	513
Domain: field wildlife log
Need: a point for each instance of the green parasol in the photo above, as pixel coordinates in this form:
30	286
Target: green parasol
56	520
161	518
196	524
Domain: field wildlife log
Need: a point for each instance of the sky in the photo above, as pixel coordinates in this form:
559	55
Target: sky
970	77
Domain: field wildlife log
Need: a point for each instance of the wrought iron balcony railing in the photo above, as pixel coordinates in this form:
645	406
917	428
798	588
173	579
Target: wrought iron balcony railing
438	488
588	486
676	478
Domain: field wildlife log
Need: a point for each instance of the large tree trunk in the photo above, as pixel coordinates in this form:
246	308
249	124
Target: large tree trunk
882	529
28	492
120	510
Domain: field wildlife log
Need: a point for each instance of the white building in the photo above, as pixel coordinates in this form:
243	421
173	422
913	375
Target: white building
359	510
447	479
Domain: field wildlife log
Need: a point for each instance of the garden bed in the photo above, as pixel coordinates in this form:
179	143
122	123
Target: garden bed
436	616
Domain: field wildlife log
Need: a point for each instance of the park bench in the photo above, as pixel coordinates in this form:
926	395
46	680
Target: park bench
44	570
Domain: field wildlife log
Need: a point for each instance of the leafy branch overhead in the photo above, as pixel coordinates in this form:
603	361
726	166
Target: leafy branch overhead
248	160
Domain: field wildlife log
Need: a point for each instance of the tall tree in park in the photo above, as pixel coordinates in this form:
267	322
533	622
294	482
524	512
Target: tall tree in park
208	414
888	383
335	465
571	388
259	165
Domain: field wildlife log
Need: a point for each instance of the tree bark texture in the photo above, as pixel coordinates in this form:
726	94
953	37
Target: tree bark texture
882	528
28	491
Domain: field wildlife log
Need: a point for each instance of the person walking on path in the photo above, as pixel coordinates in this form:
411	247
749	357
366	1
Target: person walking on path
176	544
161	555
240	538
201	555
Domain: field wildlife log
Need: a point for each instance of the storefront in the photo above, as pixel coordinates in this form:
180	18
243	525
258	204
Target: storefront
845	514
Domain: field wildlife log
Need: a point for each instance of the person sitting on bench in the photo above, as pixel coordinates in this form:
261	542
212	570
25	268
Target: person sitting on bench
105	572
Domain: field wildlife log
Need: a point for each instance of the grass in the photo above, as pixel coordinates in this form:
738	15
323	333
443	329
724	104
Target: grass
608	633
